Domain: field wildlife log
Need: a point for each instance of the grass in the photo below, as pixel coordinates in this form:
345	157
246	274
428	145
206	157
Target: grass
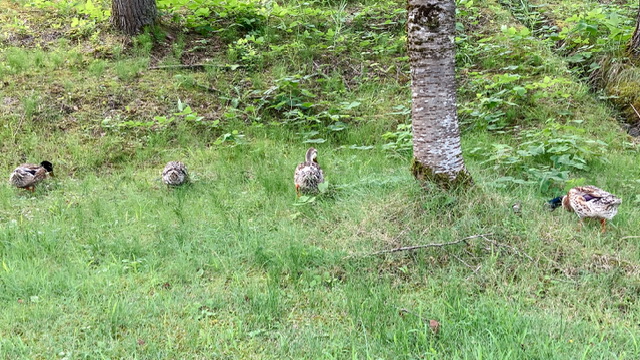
103	261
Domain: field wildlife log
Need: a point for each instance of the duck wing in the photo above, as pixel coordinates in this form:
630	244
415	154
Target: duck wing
590	201
27	175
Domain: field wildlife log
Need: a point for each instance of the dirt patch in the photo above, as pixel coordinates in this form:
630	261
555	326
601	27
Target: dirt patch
198	48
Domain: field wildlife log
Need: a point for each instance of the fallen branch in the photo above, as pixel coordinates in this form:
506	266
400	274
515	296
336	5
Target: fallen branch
481	236
629	237
188	66
507	246
634	109
415	247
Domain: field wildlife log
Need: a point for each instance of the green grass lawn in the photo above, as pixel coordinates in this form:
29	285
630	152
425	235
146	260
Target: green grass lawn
103	261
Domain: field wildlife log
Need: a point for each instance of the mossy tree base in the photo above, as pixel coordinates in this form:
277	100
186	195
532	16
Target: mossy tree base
424	174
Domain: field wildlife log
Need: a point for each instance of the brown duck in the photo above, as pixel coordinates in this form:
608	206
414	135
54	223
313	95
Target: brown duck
175	173
26	176
308	174
589	202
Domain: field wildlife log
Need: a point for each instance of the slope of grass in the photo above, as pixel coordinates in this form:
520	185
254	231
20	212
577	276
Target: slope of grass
594	37
104	262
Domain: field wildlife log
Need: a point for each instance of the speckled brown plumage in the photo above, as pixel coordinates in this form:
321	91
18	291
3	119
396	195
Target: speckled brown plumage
589	202
175	173
308	174
26	176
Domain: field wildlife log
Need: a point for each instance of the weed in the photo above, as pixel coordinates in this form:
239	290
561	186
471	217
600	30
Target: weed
31	106
97	67
400	141
127	70
547	156
143	43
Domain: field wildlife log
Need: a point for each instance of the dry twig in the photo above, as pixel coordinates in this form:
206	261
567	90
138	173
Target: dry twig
634	109
415	247
481	236
188	66
507	246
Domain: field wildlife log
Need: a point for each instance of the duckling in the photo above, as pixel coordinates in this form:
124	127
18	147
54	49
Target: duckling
308	174
589	202
26	176
175	173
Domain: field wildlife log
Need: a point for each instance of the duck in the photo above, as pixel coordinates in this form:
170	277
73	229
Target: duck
26	176
517	208
308	174
175	173
588	202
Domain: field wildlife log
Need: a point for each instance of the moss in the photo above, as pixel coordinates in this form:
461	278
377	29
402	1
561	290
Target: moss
627	97
626	92
426	175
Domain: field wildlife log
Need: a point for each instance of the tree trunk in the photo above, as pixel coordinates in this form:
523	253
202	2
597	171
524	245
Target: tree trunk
436	137
634	46
130	16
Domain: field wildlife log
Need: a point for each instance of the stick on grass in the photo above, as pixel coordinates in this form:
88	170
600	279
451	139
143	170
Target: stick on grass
481	236
188	66
415	247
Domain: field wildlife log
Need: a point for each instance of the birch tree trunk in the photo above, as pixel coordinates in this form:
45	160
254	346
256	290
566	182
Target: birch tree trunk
436	137
634	46
130	16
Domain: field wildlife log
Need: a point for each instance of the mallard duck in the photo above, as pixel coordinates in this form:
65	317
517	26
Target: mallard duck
589	202
26	176
308	174
517	208
175	173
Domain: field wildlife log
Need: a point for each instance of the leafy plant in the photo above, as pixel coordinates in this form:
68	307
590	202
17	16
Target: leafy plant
288	94
595	32
246	51
234	138
498	96
94	11
400	141
207	16
545	156
184	114
529	15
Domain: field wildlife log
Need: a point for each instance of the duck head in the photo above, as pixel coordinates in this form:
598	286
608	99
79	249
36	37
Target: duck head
312	155
555	203
47	166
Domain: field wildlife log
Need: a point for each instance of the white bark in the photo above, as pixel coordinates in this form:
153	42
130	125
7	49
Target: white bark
436	137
